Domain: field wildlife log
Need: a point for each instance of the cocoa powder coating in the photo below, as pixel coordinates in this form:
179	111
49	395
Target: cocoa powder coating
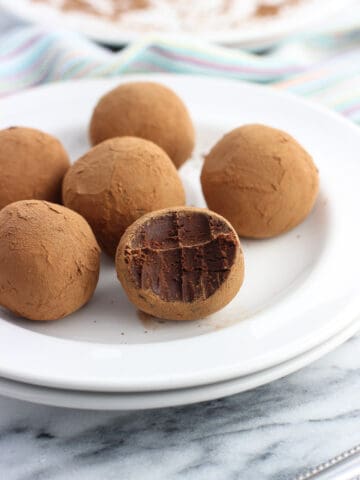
49	260
261	180
32	165
117	182
180	263
147	110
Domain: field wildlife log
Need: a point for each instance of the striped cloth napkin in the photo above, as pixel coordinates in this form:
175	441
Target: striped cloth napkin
326	69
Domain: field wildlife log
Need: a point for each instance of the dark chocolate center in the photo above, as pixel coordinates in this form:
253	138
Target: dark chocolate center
181	256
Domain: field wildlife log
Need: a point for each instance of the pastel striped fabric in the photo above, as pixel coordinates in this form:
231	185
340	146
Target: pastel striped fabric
326	70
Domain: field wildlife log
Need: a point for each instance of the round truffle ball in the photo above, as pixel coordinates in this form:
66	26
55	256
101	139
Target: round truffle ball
261	180
118	181
180	263
49	260
146	110
32	165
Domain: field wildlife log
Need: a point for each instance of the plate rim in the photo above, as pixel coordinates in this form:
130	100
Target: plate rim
130	386
120	401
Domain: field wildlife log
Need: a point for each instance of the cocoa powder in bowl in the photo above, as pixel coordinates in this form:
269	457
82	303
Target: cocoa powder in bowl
180	263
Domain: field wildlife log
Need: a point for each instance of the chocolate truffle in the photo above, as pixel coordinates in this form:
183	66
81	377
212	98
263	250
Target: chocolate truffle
261	180
49	260
180	263
146	110
118	181
32	165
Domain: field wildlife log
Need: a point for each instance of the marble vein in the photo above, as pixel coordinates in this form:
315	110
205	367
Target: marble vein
273	432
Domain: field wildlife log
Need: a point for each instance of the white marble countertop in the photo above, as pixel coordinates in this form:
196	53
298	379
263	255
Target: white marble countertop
273	432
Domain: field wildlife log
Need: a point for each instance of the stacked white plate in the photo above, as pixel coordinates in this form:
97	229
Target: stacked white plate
301	295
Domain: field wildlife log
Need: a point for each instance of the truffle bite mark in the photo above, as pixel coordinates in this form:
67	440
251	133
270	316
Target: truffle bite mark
180	263
181	256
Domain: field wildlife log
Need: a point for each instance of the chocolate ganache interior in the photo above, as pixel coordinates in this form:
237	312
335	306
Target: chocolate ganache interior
181	256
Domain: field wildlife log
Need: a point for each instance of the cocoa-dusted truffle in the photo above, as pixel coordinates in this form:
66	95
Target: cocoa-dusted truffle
261	180
32	165
49	260
118	181
180	263
147	110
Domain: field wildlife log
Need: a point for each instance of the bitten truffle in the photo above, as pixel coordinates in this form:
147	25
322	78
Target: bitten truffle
180	263
261	180
49	260
118	181
146	110
32	165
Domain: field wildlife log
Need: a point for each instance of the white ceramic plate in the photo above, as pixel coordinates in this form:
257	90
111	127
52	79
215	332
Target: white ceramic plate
169	398
300	288
255	34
